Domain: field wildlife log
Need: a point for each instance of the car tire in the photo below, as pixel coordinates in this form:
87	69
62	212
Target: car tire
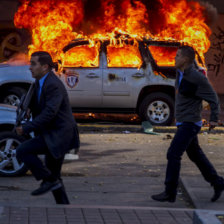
158	109
12	95
9	165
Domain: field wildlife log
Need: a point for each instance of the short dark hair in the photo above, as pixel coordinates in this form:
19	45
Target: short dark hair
44	58
188	52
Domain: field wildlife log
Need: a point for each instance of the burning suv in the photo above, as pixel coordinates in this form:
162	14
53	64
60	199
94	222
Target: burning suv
126	76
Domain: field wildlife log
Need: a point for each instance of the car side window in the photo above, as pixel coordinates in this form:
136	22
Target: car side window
163	55
123	56
82	56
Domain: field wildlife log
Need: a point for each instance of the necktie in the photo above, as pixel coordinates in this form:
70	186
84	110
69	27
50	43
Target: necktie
38	90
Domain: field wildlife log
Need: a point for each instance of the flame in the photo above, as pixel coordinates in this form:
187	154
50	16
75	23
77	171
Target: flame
117	56
90	53
50	22
131	18
186	23
54	23
163	56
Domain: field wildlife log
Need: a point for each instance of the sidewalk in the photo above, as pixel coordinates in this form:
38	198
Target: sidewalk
163	213
94	200
90	191
113	181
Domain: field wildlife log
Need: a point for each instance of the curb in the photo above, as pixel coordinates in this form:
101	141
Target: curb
98	206
206	217
126	129
187	191
202	216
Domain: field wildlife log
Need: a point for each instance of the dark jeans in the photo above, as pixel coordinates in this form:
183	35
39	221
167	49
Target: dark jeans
186	139
28	153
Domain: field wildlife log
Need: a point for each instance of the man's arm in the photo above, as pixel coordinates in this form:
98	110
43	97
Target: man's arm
53	99
23	111
207	93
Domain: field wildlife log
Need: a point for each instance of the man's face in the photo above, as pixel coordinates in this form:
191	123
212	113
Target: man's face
180	60
37	70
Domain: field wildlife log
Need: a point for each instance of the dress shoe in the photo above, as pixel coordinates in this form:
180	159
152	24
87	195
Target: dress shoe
164	197
46	186
217	192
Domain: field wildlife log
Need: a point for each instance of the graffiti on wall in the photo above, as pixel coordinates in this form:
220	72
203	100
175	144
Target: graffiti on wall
217	47
215	56
10	44
13	43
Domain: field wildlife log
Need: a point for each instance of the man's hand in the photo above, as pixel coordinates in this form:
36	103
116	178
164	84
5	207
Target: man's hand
212	125
19	130
28	114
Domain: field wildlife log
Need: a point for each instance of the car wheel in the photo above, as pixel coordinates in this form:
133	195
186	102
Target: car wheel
9	165
12	95
158	109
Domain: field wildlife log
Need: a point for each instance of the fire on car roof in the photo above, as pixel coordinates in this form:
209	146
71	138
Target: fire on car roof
54	23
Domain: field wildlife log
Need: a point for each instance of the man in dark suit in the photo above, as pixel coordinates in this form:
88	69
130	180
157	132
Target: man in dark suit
191	88
53	124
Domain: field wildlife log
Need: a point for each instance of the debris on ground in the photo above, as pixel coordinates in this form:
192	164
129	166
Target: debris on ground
168	137
148	128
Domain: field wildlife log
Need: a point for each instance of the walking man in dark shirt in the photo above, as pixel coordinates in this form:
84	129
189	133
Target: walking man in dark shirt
191	88
53	124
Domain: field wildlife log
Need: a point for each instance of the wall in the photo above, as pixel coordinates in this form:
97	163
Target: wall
215	56
219	4
7	10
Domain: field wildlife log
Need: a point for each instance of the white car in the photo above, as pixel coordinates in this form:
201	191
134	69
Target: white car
141	81
9	141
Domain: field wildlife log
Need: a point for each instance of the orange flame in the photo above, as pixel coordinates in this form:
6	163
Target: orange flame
117	56
50	22
54	23
90	53
163	56
186	23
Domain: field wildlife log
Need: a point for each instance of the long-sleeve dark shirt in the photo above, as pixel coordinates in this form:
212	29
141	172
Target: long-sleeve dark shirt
194	88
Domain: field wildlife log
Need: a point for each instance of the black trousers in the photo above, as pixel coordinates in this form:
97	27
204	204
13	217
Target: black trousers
186	139
28	152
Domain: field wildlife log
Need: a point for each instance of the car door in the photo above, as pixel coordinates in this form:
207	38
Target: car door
82	76
122	76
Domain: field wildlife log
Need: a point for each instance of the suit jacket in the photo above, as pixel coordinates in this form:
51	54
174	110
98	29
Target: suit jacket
52	117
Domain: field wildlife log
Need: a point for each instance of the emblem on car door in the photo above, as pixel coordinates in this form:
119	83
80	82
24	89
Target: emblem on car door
72	78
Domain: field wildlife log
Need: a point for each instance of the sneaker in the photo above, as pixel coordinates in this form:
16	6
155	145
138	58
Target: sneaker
164	197
46	186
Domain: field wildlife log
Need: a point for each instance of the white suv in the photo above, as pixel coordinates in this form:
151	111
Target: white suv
141	81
